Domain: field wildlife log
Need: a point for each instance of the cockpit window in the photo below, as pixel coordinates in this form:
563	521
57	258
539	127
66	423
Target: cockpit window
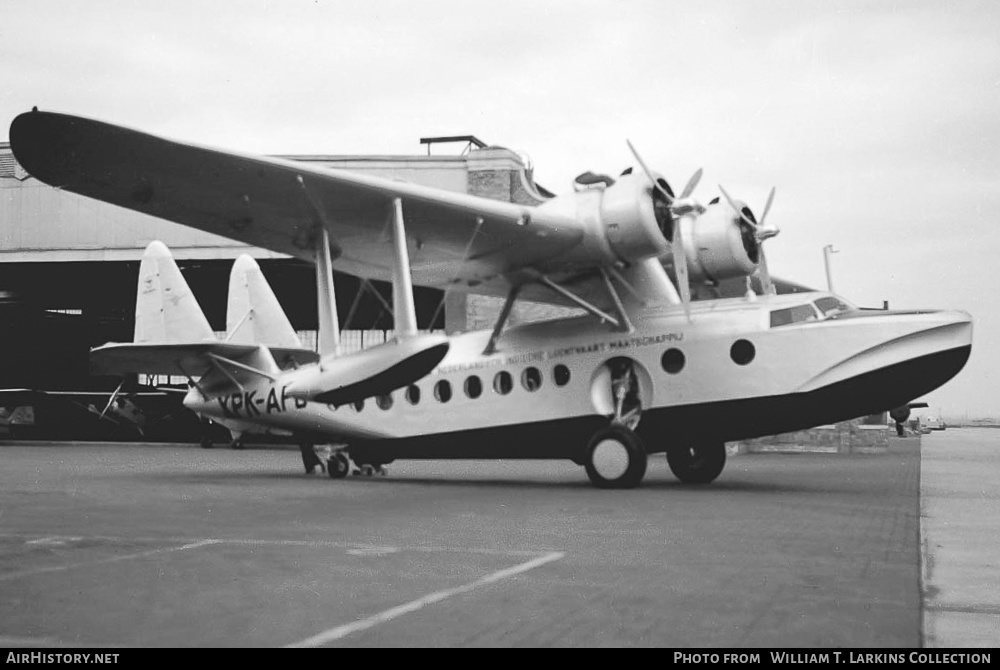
789	315
829	305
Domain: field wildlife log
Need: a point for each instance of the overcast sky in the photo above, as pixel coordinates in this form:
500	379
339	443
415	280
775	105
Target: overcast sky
879	122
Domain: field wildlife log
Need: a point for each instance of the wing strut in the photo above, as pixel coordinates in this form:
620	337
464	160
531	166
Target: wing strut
613	271
252	370
626	324
491	347
218	366
404	313
569	295
329	330
328	335
191	380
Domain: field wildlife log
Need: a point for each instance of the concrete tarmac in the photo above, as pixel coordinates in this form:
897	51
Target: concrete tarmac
960	534
112	545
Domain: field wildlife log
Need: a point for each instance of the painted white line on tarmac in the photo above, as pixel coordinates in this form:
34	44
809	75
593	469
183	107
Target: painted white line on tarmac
354	548
363	624
103	561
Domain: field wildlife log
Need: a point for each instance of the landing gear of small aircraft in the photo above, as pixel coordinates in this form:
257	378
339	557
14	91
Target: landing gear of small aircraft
206	442
309	458
698	463
338	465
615	458
237	443
370	470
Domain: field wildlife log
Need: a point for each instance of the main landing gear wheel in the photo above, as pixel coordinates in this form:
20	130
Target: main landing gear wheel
699	463
615	458
338	466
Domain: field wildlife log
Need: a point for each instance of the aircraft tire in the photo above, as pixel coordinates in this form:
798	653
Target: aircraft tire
338	466
698	463
615	458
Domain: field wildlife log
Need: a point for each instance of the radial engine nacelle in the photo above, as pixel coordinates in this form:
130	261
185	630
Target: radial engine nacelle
629	220
719	244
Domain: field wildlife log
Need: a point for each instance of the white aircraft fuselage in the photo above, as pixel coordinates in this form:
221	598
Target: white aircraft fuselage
738	369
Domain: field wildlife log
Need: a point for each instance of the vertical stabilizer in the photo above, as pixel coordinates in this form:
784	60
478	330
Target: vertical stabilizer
165	309
253	314
329	327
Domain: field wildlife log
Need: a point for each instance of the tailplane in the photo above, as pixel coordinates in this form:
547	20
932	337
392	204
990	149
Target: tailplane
173	337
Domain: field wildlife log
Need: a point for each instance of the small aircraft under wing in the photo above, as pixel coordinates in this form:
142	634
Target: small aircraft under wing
646	370
79	414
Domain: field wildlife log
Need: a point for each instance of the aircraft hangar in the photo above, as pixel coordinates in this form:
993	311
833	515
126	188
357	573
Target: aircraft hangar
68	264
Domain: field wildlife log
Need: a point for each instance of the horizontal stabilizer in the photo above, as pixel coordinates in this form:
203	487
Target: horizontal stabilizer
373	371
190	359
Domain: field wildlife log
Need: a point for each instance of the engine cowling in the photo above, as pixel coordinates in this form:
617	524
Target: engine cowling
627	220
719	244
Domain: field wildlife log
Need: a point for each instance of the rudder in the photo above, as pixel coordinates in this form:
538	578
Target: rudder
253	313
166	310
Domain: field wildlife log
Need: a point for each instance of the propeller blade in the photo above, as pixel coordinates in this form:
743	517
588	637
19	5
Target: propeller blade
732	203
649	173
681	268
692	184
765	275
767	206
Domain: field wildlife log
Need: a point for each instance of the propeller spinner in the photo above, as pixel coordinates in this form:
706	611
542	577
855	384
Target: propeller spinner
761	233
678	208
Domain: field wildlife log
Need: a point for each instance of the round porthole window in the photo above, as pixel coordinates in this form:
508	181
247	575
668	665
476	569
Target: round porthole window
442	390
531	379
473	387
503	383
742	352
413	394
672	361
560	374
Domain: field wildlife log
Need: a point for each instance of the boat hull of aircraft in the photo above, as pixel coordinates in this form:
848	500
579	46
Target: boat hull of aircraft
694	381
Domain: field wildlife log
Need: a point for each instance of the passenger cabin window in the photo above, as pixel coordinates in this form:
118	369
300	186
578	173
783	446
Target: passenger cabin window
359	405
442	390
503	382
384	401
531	379
473	387
413	394
829	306
672	361
789	315
560	374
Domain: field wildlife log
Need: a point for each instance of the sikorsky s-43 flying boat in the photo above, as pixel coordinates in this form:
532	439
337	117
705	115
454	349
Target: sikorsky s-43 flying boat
645	370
